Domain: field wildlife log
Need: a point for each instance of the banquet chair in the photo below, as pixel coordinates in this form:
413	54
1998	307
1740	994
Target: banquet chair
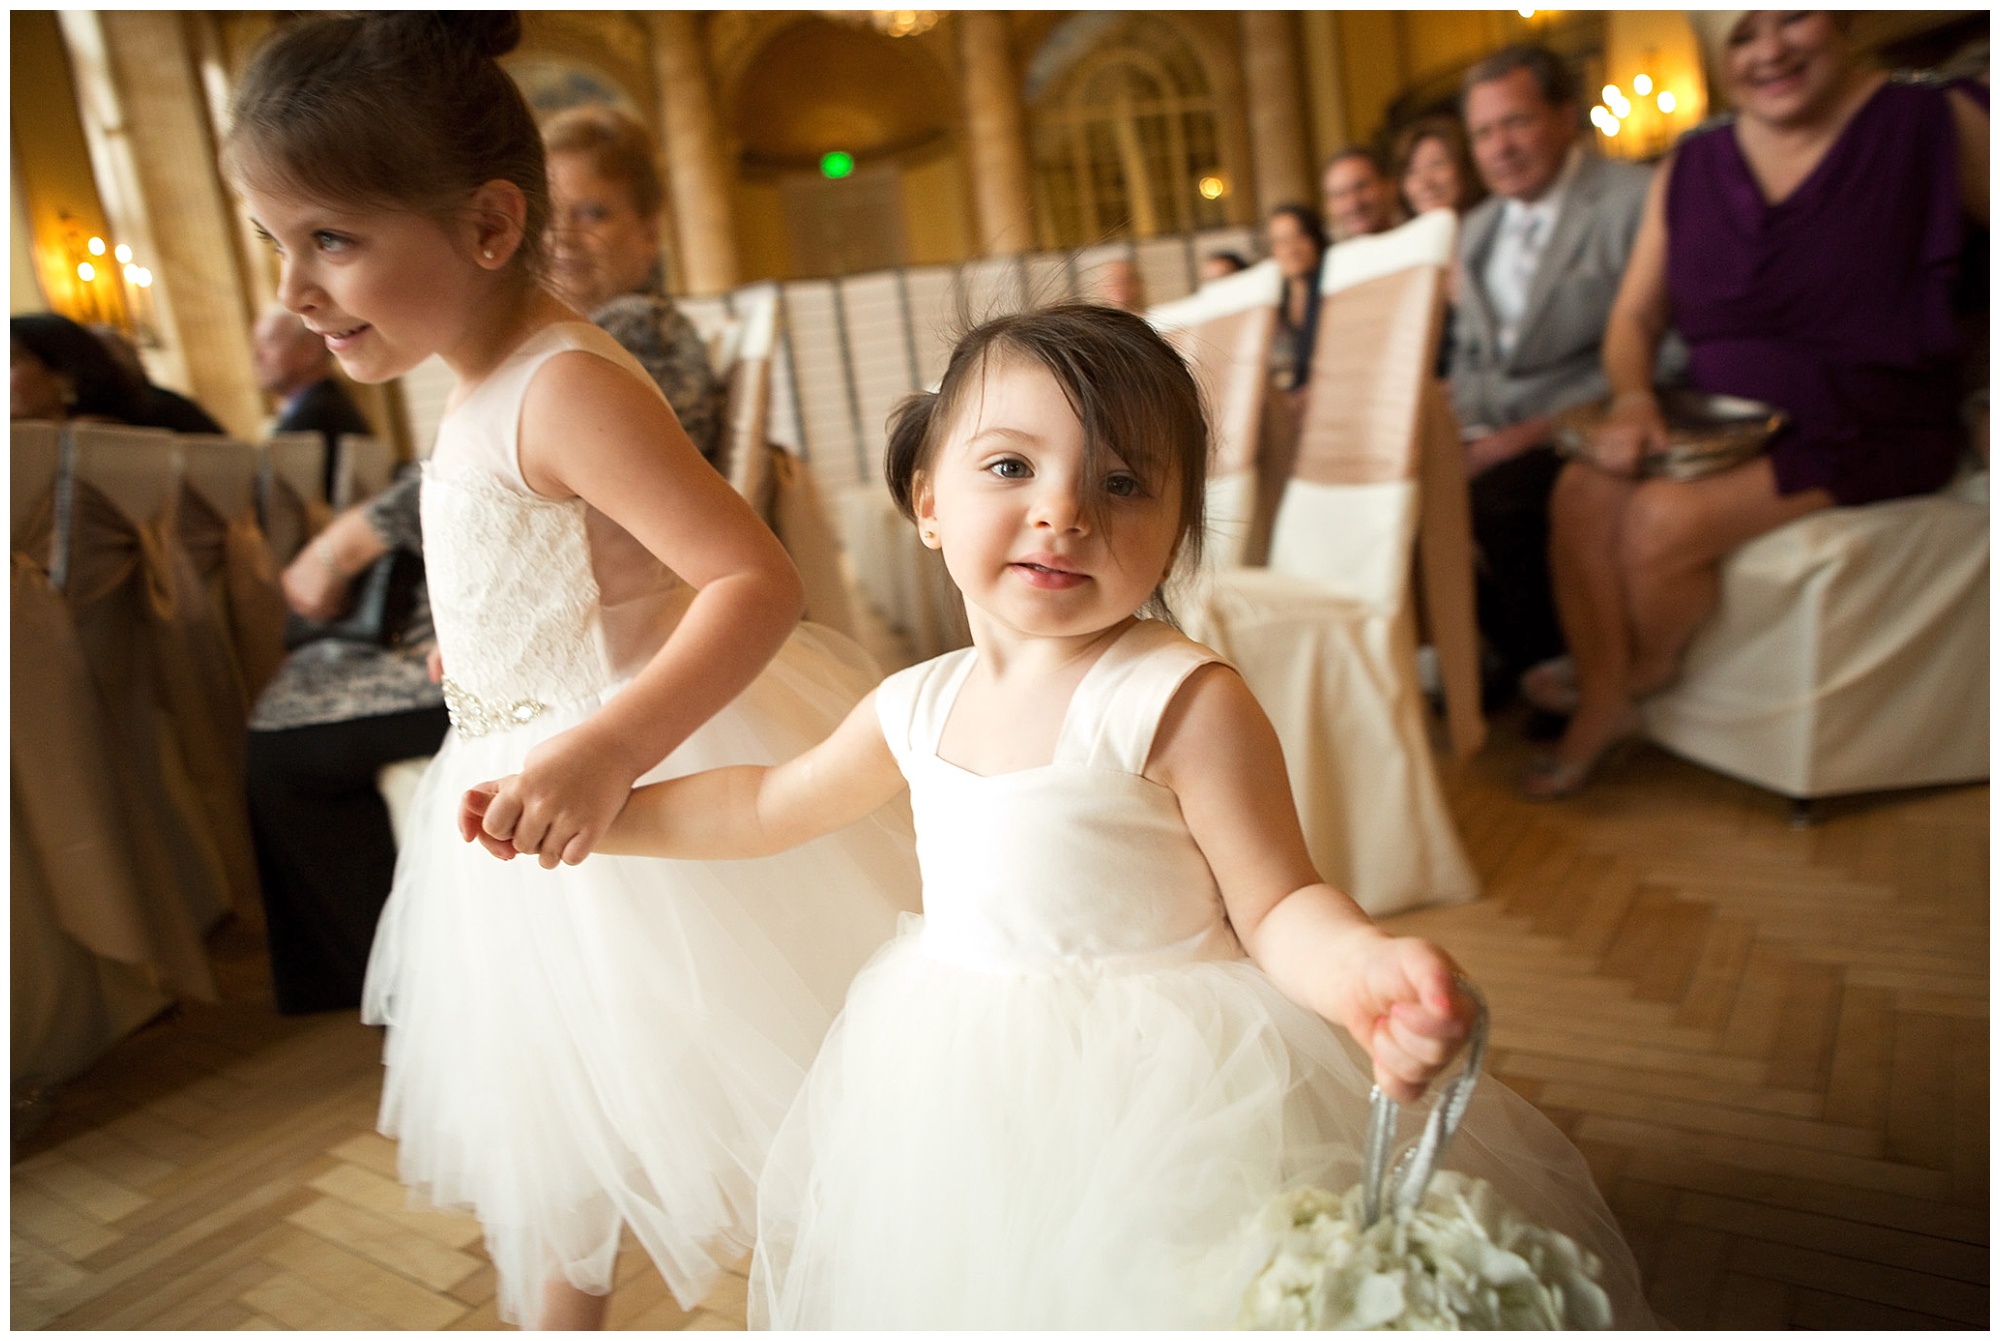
746	462
363	466
87	965
1224	332
1848	653
293	504
149	629
1325	636
778	485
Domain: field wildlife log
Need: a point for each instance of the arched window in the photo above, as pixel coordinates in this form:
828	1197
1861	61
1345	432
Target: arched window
1124	132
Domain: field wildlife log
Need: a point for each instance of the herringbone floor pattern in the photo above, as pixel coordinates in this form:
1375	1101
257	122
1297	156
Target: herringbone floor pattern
1770	1043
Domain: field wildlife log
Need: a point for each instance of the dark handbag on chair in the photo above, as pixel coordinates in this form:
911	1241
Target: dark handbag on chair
384	595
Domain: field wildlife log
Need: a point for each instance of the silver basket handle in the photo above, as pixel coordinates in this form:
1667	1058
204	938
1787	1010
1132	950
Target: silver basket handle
1405	1184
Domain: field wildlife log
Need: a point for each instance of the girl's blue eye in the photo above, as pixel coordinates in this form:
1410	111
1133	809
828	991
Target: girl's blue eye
329	241
1010	469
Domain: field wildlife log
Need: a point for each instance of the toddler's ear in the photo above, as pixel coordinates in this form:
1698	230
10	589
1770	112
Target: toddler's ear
924	503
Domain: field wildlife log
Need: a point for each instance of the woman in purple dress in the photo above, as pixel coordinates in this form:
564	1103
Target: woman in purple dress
1805	250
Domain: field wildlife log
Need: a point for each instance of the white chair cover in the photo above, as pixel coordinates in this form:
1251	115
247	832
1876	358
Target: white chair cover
1849	653
1326	636
1224	331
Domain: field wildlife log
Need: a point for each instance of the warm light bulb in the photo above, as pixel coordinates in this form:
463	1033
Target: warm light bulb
1612	95
1212	188
85	271
131	274
1666	101
97	246
1601	117
124	254
1525	13
1612	129
1642	85
144	279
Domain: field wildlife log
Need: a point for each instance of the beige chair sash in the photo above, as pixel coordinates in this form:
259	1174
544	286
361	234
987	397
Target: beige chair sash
97	848
156	647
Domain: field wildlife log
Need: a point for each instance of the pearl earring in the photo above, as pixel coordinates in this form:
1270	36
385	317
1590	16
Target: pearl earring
488	253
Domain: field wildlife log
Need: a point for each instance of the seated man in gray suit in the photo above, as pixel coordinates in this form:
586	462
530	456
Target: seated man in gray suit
1540	262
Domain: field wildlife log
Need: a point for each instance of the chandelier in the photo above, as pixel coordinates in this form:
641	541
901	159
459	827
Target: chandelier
888	22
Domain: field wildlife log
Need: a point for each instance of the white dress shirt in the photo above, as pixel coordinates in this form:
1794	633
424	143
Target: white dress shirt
1525	229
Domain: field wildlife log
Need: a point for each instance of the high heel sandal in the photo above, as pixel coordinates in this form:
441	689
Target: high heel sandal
1550	779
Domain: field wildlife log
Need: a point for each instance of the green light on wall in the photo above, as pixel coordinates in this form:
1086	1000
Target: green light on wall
836	165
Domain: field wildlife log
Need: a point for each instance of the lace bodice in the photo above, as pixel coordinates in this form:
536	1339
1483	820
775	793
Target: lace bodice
537	601
1083	860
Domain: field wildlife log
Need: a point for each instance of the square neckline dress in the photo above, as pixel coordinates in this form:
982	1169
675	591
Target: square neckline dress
1054	1100
613	1043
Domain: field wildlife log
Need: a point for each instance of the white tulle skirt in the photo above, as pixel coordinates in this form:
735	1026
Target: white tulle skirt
616	1043
1080	1149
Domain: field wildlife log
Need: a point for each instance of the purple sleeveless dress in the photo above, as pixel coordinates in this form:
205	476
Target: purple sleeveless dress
1836	303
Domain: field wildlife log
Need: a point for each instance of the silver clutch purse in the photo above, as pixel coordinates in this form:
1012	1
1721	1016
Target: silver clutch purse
1705	433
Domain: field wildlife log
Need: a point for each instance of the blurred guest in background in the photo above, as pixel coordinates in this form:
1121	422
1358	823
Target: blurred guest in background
1539	264
1221	265
606	196
1358	198
1806	249
159	407
294	366
58	370
1116	284
1298	246
1433	167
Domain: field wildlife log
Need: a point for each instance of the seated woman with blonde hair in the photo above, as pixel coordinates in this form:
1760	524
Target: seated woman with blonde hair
1805	250
606	197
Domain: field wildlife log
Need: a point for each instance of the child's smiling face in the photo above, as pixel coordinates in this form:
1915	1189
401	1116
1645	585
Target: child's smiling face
386	289
1029	540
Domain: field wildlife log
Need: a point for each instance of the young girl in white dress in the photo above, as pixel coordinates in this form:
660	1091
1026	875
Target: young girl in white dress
1057	1097
572	1049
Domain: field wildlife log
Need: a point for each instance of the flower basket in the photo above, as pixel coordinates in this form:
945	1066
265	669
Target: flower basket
1415	1249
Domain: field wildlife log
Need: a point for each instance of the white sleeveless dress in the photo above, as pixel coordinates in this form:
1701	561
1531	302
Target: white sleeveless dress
1055	1098
615	1042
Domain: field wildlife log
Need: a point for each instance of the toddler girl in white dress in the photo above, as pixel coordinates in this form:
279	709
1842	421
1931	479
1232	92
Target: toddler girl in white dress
1057	1098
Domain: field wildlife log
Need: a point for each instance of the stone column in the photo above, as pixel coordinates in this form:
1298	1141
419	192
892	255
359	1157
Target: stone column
1326	88
701	176
997	147
147	123
1271	80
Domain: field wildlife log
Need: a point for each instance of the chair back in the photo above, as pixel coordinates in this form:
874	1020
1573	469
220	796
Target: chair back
1349	514
746	461
36	461
365	465
293	491
138	469
1224	331
222	472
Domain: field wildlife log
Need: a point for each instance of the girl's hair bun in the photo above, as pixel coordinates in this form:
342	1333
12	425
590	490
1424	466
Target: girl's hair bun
474	32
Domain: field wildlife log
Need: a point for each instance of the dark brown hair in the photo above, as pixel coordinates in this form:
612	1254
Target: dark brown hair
406	111
1446	130
1131	392
618	148
1551	76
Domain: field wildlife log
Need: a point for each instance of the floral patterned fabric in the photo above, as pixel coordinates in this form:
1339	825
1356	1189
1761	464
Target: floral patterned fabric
661	337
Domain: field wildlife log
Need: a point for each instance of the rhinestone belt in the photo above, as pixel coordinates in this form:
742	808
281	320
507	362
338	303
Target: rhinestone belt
472	715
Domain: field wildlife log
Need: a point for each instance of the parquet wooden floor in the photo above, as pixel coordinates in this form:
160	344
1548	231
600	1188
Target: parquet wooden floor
1771	1044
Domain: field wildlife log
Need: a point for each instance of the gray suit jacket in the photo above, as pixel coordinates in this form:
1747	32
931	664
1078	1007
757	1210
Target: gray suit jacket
1555	362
